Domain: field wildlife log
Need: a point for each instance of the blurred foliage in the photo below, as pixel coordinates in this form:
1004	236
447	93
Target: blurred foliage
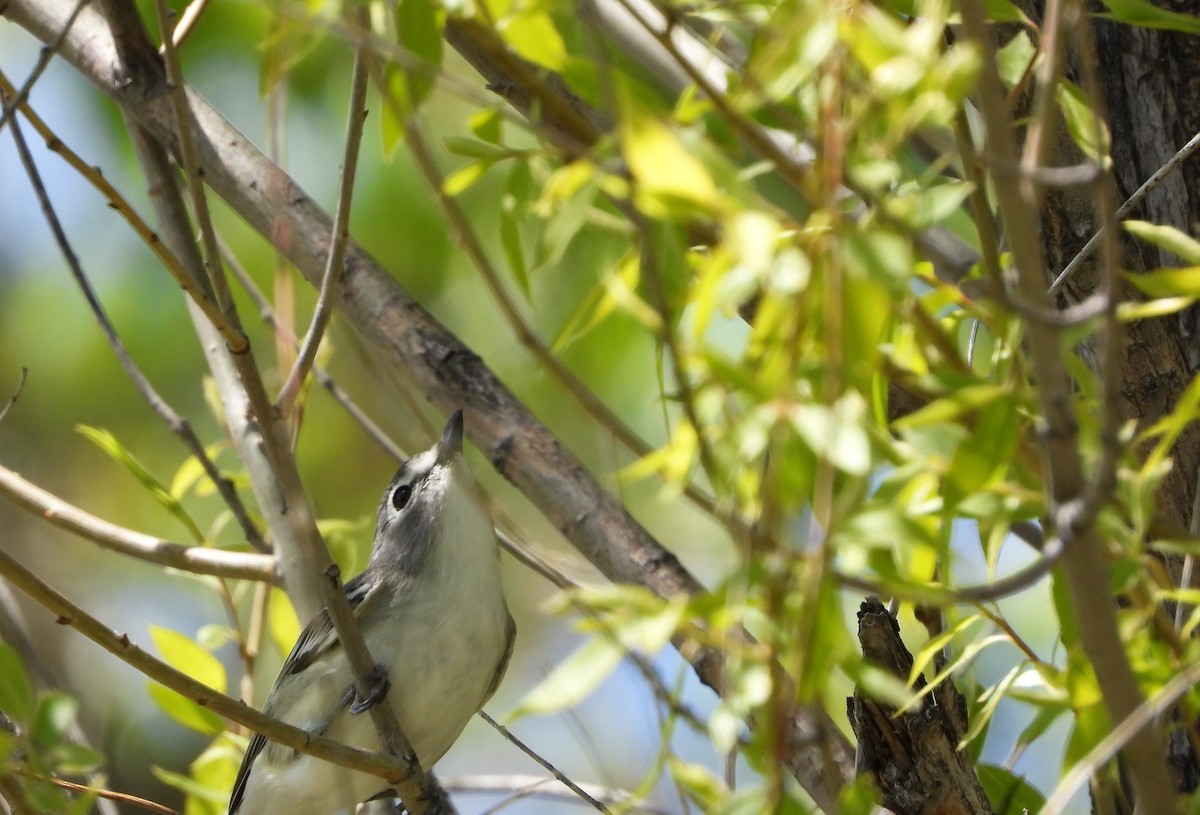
744	313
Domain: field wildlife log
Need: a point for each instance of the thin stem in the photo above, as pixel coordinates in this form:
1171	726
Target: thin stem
268	315
567	782
194	559
331	279
195	185
47	53
1172	164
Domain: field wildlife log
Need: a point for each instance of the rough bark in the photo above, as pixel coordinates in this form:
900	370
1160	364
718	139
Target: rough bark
912	756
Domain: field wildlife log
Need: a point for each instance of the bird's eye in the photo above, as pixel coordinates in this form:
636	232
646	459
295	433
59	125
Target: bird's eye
401	495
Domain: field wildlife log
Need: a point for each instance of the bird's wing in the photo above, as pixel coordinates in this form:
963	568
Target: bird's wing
317	638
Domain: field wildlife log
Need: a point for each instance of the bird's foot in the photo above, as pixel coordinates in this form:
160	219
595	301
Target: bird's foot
379	688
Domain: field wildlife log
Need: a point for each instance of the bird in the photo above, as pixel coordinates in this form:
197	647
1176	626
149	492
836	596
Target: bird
432	611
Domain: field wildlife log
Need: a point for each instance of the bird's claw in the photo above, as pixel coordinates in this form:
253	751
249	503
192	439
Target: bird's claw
379	688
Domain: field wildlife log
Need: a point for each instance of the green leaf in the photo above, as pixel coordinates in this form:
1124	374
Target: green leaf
420	32
668	175
1009	794
836	433
396	108
75	759
517	189
698	783
465	177
282	622
486	124
184	711
116	451
16	691
572	680
1166	237
184	655
193	789
532	35
1088	131
922	207
880	684
1148	15
473	148
53	718
1015	58
1182	283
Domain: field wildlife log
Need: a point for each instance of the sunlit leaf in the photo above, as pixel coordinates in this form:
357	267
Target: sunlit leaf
572	680
465	177
1088	131
116	451
282	623
835	433
1166	237
184	655
667	175
184	711
1148	15
532	34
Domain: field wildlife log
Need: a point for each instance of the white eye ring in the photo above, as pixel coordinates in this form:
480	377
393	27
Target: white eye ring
401	495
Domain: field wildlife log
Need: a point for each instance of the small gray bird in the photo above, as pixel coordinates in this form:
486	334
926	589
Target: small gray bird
431	609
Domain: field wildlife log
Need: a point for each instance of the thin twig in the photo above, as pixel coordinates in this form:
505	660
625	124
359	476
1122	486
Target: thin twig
331	279
187	22
1156	178
118	202
191	166
571	785
43	60
106	794
378	764
267	313
178	425
12	400
1012	584
194	559
532	786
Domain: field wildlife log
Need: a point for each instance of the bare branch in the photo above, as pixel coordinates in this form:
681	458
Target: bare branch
195	559
331	278
554	771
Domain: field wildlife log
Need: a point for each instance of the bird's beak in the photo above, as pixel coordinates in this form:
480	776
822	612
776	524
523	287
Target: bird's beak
451	443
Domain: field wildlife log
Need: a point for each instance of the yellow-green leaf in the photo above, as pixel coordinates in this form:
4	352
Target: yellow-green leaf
185	711
666	173
1167	237
572	680
532	35
282	622
116	451
183	654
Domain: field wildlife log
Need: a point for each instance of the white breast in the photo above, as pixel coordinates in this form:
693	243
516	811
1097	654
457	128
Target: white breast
441	664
